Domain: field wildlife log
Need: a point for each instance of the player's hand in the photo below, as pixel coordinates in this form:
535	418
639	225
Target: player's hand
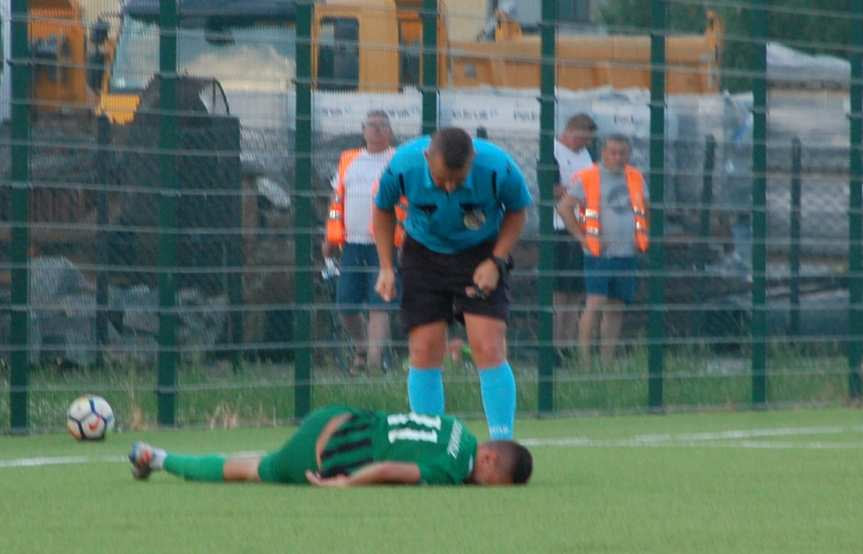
318	481
485	277
386	284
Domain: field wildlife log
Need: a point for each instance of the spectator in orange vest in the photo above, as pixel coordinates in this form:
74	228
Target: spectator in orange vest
571	155
605	208
349	229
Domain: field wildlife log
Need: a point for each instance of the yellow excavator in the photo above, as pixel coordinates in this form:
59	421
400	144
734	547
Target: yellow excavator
58	44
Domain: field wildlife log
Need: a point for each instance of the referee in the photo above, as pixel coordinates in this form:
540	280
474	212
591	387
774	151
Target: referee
467	201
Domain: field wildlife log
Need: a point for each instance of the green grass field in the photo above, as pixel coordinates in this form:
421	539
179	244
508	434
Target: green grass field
753	482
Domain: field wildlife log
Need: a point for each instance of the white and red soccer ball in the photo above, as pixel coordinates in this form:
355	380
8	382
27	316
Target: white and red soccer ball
89	418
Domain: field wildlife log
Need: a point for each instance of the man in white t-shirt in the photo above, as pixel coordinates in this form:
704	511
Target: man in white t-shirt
349	228
571	155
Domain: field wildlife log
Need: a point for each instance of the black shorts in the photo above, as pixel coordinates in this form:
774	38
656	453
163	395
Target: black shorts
433	285
569	259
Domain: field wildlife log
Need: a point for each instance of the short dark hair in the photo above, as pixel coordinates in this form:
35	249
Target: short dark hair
517	460
581	121
618	138
454	144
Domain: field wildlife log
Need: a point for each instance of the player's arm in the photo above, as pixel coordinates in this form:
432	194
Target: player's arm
384	217
383	473
384	224
510	230
515	198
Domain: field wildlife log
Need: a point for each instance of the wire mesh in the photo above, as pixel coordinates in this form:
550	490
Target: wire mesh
95	188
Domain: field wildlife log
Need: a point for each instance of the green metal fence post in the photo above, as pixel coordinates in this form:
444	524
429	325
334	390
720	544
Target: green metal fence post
794	247
303	186
103	139
705	207
855	216
429	66
166	388
20	216
656	324
547	175
706	197
236	261
759	204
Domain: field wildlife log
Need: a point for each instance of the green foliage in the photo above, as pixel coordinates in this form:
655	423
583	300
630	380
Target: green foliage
814	26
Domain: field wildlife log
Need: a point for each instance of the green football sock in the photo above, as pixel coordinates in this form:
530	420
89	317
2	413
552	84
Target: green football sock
196	468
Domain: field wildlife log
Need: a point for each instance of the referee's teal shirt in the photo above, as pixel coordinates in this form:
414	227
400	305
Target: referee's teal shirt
451	222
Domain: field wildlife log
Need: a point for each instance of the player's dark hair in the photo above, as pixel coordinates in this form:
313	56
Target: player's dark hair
516	459
454	144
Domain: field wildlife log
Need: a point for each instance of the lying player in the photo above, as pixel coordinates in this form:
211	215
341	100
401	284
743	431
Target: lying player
340	446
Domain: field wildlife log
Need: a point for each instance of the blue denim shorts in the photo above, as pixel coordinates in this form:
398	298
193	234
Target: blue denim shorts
611	277
355	289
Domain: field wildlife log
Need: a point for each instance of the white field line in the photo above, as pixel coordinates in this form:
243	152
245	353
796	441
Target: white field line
728	439
720	439
60	460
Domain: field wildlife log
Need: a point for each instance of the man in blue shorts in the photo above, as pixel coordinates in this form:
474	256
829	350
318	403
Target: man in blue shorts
613	230
467	201
349	229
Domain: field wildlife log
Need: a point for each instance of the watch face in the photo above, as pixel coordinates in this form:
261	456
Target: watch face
474	219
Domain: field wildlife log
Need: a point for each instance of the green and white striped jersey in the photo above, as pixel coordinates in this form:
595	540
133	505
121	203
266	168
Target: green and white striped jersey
442	446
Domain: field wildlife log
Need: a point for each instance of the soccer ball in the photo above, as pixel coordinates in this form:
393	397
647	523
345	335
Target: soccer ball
89	418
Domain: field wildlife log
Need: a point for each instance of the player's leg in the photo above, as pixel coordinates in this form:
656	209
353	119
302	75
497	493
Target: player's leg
379	313
211	467
487	337
426	309
596	283
350	294
567	311
427	346
568	291
289	463
621	291
285	465
587	324
379	335
485	318
612	321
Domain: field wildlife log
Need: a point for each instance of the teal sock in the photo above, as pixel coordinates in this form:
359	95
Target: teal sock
425	391
498	400
196	468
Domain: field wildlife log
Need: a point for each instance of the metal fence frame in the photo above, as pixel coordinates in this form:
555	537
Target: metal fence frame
166	391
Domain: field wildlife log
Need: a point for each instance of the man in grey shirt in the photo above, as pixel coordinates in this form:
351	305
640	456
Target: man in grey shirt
612	228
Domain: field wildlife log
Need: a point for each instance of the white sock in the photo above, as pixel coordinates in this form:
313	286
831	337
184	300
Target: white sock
158	460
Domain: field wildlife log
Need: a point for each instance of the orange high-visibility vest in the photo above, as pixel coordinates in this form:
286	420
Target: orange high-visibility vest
335	232
401	214
589	215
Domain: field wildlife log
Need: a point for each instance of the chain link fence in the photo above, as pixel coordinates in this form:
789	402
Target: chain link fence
165	236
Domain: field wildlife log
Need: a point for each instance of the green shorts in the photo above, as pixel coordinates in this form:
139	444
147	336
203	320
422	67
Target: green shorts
289	463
